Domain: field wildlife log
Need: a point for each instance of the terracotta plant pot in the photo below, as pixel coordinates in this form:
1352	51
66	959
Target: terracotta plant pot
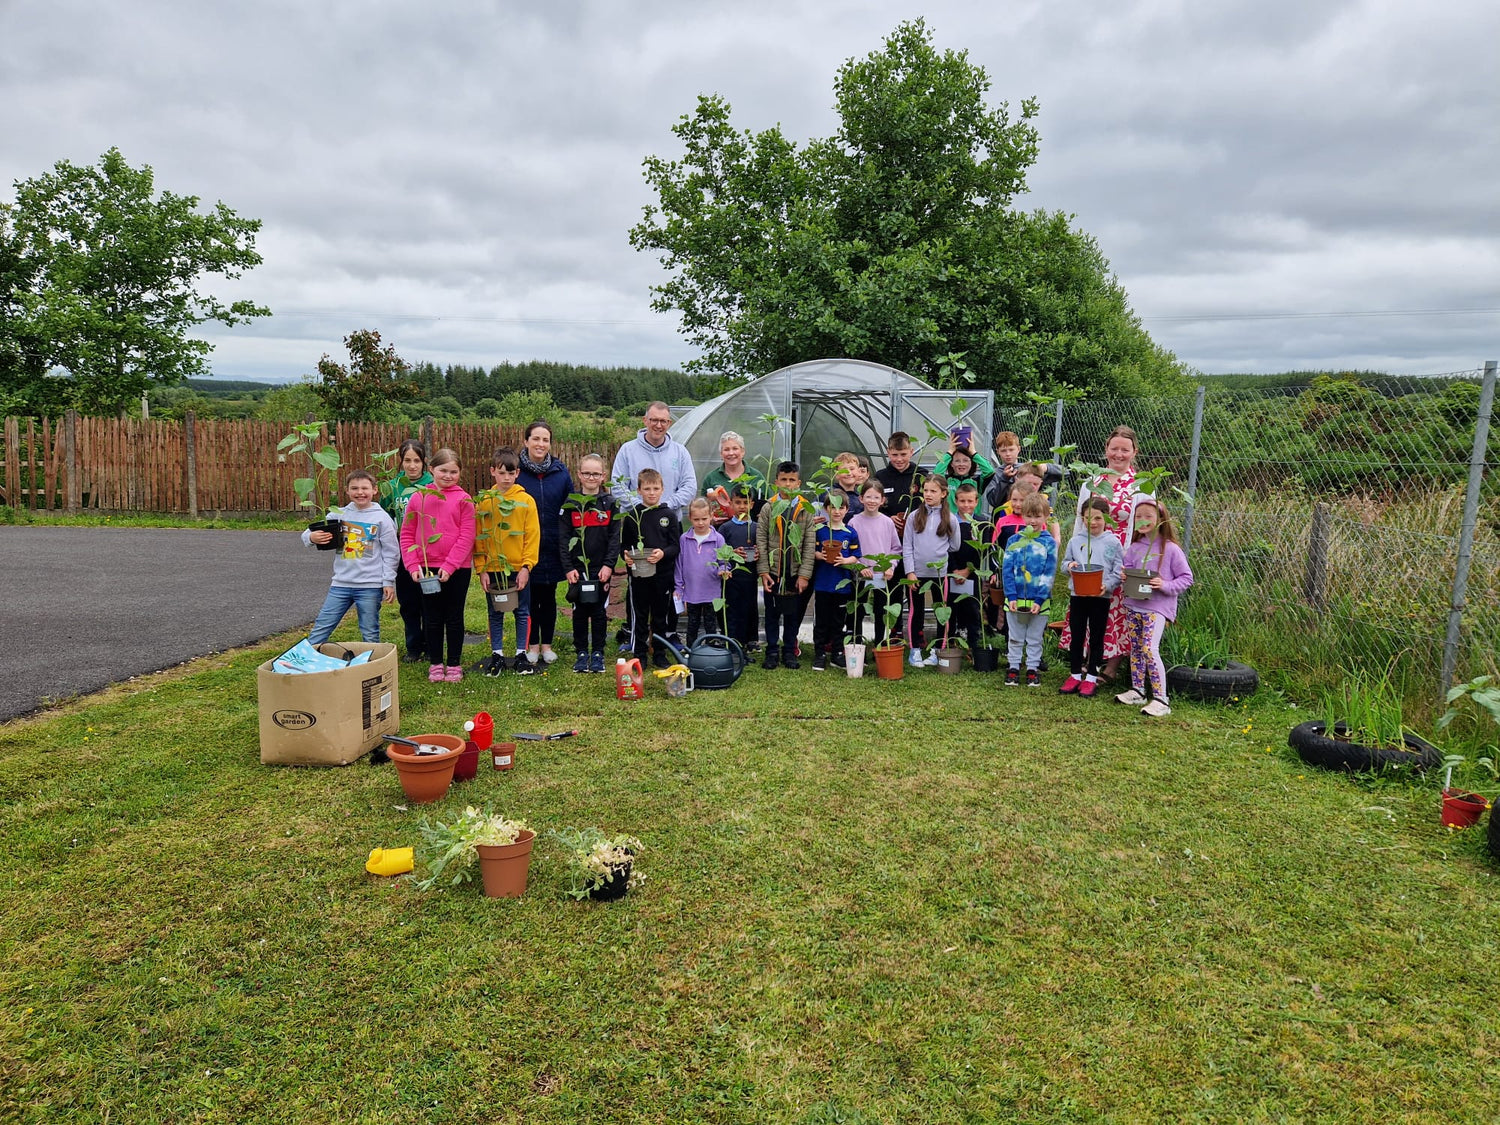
468	762
950	661
614	887
426	777
832	550
1461	809
504	867
997	596
890	661
503	754
1088	581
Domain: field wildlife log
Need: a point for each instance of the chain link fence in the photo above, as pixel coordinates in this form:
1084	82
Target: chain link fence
1328	523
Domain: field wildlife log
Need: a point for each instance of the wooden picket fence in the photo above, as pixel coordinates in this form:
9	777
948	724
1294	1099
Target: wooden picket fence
76	463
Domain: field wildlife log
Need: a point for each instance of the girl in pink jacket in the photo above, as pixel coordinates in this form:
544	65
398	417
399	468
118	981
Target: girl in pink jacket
437	541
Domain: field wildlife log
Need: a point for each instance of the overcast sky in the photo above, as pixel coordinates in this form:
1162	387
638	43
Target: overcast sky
461	176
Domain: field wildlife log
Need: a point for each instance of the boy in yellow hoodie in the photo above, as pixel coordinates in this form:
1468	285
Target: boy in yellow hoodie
507	540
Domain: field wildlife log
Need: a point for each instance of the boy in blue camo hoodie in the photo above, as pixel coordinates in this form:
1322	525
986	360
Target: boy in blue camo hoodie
1026	573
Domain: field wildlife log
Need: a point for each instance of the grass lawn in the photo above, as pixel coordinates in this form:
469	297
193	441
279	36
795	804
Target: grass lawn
933	900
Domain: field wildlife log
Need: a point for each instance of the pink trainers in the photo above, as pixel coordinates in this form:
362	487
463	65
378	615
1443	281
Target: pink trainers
454	674
1070	685
1087	689
435	674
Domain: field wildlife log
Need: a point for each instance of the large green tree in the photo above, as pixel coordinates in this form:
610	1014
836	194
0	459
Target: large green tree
894	240
98	280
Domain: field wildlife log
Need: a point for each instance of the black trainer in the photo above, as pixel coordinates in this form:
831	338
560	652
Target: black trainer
1033	678
494	665
820	662
1012	677
523	665
772	661
789	660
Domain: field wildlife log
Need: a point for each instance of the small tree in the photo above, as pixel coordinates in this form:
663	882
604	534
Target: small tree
375	378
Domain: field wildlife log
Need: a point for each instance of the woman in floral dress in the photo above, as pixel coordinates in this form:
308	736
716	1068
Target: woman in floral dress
1119	460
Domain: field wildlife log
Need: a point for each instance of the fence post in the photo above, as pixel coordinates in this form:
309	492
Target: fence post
1192	481
1466	536
1317	557
190	457
70	447
427	436
1057	424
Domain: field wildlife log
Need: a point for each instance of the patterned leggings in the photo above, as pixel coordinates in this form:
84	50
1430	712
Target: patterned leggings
1143	642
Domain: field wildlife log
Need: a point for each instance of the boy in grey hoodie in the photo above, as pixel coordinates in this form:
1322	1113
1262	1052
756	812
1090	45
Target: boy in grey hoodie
364	570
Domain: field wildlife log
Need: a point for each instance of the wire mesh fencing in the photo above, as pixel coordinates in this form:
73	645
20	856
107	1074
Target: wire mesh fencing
1327	524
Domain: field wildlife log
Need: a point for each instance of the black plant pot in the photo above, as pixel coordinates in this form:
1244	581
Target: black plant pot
334	528
1317	749
986	659
614	887
1213	685
1494	837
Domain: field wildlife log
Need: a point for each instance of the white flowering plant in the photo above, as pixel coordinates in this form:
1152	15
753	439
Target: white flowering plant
449	849
595	858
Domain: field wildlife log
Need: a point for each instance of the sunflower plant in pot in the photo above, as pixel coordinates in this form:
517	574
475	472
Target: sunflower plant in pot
499	847
317	490
1461	807
492	512
600	867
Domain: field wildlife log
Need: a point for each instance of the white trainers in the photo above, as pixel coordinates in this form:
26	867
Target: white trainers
931	660
1130	698
549	656
916	658
1156	709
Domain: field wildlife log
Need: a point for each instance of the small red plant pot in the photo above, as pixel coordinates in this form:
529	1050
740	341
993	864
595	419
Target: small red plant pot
1461	809
503	755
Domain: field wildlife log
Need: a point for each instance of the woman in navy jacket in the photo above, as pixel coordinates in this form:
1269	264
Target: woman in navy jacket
549	484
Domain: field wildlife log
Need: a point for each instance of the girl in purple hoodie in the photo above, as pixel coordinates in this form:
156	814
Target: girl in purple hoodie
437	535
1154	547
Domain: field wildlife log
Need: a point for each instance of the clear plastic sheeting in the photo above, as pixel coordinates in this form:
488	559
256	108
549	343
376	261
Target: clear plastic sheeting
826	406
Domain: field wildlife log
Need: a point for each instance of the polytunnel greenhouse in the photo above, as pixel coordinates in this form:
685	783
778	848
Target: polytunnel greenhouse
825	406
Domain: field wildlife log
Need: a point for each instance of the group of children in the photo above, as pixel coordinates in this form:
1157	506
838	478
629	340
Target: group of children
915	538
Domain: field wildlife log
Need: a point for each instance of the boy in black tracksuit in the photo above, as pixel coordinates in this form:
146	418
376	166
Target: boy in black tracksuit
962	565
654	526
742	621
589	542
900	484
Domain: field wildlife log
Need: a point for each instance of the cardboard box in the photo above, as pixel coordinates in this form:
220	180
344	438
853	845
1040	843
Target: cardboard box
329	718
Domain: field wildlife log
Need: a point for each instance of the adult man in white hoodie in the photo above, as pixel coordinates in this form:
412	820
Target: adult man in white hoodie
653	448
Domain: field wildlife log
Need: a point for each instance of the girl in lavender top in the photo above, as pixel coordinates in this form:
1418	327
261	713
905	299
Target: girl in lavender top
1153	546
877	536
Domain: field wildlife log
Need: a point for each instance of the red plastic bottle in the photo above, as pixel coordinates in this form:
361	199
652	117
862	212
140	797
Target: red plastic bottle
629	679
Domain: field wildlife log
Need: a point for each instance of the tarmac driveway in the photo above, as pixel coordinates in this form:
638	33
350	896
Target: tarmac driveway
84	607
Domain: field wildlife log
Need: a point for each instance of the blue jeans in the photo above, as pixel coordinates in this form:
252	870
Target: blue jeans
365	599
522	615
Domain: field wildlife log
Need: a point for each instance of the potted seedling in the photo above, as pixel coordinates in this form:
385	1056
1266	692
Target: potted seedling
492	522
316	491
498	846
589	591
426	537
600	867
1484	693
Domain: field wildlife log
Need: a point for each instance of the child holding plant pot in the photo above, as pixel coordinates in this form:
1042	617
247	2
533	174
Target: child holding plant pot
931	535
653	527
508	542
699	573
364	570
963	564
1153	547
394	496
1094	546
742	620
590	539
877	536
1027	571
438	536
832	582
786	546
